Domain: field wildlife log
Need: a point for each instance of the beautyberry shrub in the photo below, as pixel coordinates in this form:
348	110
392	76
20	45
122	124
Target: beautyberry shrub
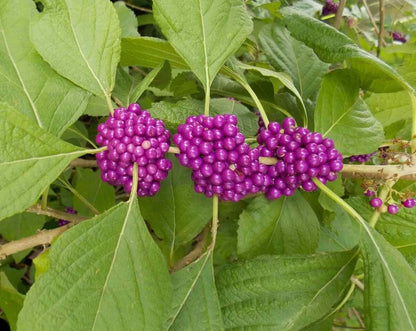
133	136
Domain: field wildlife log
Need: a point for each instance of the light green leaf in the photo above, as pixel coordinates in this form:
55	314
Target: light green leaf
20	226
149	52
177	213
195	304
209	33
332	46
283	226
390	285
80	40
341	114
30	159
11	301
128	20
41	263
389	108
282	78
292	56
107	272
27	81
89	184
145	83
282	292
184	84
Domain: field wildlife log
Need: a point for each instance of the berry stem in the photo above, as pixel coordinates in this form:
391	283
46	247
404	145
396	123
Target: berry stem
385	190
44	202
215	221
207	99
135	182
413	139
79	196
230	73
73	218
109	103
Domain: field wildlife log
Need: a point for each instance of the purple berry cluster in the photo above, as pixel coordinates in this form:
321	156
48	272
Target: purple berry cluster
221	162
68	210
301	154
330	7
362	158
398	36
392	208
133	136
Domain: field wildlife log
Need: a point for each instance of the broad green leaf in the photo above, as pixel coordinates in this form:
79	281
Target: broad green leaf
177	213
184	84
389	108
128	20
80	40
342	115
282	292
283	226
195	303
27	82
332	46
89	184
20	226
11	301
149	52
137	92
390	285
105	274
30	159
292	56
41	263
285	80
408	69
226	243
209	33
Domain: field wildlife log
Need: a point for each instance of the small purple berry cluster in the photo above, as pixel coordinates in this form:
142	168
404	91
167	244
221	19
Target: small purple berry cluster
362	158
301	154
132	135
221	162
68	210
392	208
398	36
330	7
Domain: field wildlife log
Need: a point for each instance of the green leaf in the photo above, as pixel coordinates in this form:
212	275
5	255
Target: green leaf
20	226
184	84
390	285
292	56
89	184
80	40
282	292
332	46
107	272
30	159
11	301
195	304
145	83
209	33
389	108
177	213
283	226
149	52
28	82
128	20
341	114
41	263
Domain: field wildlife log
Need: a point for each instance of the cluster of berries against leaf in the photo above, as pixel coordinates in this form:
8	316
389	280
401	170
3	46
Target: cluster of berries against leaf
222	163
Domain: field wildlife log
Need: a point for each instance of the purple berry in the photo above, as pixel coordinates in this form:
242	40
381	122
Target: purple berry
408	203
392	209
376	202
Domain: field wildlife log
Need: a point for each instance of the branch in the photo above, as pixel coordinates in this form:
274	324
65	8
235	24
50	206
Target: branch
384	172
117	101
357	283
381	27
371	17
82	163
194	254
147	10
340	11
42	238
37	209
